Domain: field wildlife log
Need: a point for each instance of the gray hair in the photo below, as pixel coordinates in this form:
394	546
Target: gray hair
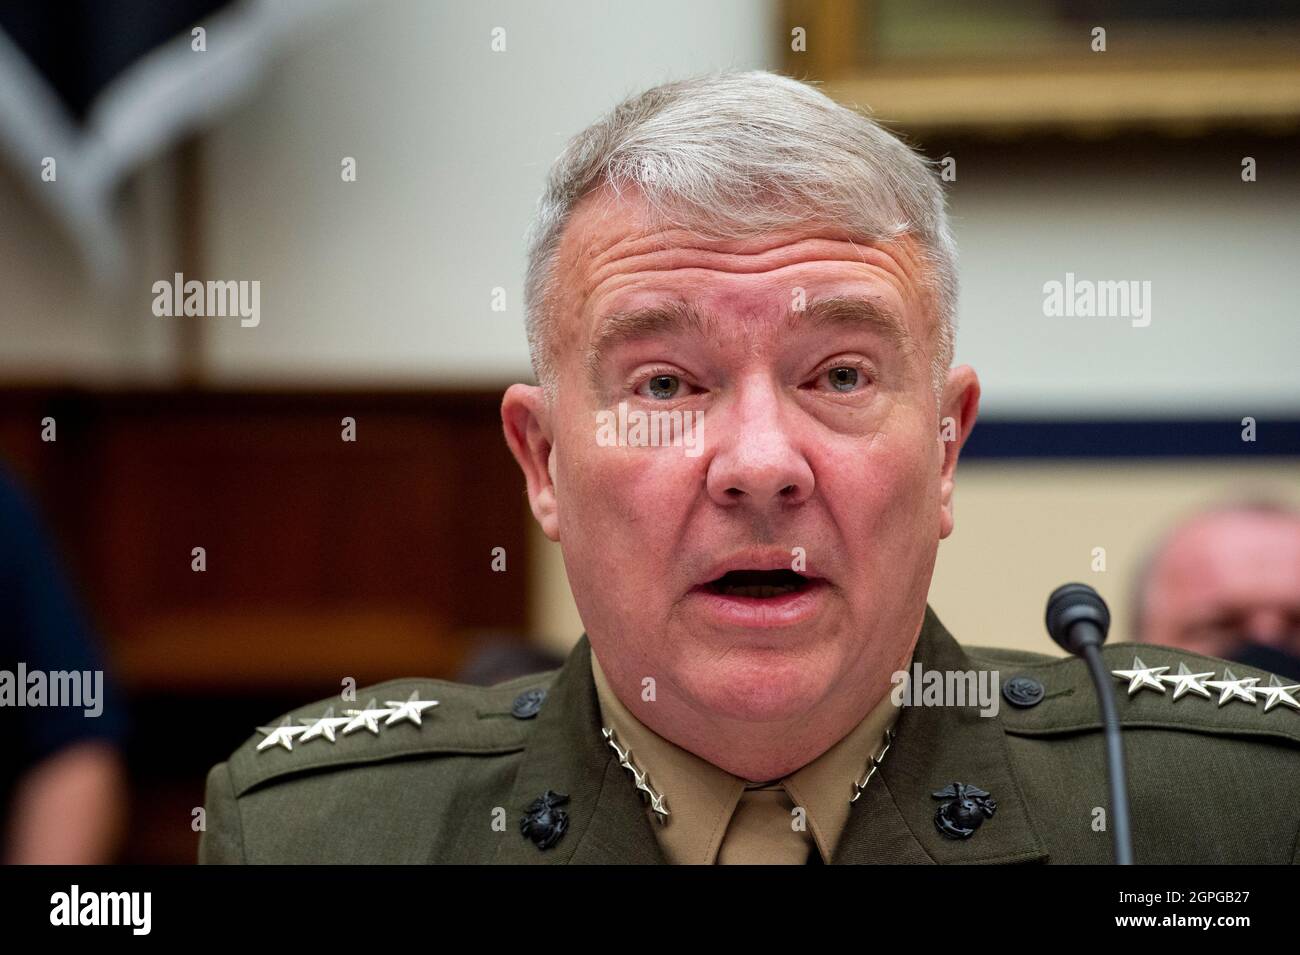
733	155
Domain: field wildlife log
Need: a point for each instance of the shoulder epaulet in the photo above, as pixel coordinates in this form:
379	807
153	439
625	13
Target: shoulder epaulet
396	719
1155	686
1007	655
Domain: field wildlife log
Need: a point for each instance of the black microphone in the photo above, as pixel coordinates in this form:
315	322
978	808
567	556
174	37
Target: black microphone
1078	620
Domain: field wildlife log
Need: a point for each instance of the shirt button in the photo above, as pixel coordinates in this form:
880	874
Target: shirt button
527	704
1023	691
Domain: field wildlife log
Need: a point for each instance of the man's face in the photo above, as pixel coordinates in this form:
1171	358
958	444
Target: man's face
808	357
1225	581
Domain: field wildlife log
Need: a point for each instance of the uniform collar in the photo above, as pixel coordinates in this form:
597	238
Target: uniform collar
892	822
567	754
934	747
702	797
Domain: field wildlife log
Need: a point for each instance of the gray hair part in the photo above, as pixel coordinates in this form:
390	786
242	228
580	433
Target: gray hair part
734	155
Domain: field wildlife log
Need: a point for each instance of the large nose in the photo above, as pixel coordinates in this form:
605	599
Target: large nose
757	460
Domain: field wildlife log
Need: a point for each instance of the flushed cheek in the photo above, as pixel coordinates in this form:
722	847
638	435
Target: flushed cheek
635	486
882	502
629	501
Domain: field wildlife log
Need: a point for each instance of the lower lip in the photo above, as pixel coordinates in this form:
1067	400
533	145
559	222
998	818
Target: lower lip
786	610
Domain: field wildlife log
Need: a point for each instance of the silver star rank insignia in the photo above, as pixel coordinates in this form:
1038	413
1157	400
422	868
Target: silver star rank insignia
281	735
327	725
1232	688
322	726
1276	693
1185	681
408	710
1142	677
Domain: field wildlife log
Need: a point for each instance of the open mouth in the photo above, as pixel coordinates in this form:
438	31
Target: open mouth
759	583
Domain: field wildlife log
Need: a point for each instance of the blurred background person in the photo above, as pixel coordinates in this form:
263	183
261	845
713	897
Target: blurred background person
1226	582
62	781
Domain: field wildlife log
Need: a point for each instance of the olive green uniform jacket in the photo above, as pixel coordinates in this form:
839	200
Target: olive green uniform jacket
1208	783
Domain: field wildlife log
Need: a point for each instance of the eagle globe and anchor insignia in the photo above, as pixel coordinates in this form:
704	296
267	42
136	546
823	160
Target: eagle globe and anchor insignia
544	821
963	811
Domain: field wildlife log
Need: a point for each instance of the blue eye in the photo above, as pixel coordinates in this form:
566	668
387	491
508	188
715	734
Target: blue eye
842	378
664	386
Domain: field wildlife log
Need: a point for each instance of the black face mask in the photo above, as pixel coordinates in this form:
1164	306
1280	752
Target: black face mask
1261	657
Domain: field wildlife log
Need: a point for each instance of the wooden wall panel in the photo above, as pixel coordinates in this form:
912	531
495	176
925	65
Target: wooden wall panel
372	557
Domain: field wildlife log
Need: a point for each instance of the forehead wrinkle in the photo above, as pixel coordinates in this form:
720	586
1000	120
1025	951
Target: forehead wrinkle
676	318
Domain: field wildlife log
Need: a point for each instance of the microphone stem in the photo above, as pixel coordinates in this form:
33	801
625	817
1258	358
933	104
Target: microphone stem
1119	819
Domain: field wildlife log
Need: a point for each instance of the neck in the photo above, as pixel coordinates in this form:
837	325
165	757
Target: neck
758	752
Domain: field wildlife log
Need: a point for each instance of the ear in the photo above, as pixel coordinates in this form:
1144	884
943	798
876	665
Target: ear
960	405
526	419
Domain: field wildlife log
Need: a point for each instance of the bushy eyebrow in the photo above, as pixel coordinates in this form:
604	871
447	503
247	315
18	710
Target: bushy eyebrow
678	318
854	312
619	328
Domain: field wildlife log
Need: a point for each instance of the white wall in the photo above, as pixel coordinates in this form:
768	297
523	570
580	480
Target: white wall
391	277
1224	335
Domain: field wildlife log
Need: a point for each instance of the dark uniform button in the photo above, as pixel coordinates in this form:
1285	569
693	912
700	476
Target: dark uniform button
1023	691
963	811
527	704
544	821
